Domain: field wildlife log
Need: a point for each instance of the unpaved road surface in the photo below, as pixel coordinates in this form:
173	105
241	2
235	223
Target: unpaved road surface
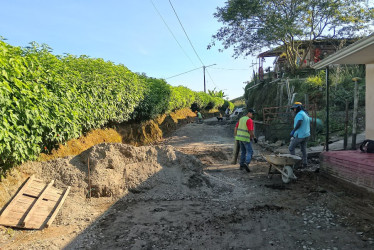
214	205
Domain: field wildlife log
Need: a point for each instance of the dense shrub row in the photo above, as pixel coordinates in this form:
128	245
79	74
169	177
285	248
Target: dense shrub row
47	99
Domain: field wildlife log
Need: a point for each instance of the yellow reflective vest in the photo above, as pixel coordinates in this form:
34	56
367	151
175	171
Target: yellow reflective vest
242	133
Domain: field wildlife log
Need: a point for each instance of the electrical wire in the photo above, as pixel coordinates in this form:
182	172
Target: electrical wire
211	78
183	73
186	33
167	26
191	43
228	69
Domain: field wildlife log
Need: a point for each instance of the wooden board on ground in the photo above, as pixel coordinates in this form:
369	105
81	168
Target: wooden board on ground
34	206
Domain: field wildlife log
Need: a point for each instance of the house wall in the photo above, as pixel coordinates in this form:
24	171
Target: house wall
369	103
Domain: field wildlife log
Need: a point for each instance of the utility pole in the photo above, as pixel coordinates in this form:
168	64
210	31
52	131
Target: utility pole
204	75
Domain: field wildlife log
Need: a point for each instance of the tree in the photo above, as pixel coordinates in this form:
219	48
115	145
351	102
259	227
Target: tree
250	25
215	93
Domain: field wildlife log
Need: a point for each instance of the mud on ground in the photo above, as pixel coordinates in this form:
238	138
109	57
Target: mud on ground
185	194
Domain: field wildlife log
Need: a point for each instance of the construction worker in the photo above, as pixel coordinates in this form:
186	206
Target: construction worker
301	132
199	117
244	133
227	113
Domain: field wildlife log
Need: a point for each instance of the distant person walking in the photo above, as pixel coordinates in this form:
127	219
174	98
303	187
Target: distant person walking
244	133
301	132
227	113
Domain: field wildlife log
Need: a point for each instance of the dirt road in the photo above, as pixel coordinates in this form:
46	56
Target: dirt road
188	205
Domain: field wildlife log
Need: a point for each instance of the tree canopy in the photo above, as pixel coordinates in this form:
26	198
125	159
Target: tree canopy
251	25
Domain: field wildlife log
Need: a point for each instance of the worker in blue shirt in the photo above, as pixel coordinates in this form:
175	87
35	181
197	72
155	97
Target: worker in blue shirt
301	132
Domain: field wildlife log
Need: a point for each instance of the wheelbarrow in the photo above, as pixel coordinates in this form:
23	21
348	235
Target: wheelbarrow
284	163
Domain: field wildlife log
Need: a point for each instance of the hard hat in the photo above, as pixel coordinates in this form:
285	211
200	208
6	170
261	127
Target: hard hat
296	105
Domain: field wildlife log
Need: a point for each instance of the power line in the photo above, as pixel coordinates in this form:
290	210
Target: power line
228	69
191	44
183	73
167	26
211	78
186	33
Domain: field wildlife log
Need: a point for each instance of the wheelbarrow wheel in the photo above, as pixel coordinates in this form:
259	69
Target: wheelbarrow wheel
288	174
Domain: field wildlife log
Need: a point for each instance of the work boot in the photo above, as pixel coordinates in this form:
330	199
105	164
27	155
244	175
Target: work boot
246	168
242	166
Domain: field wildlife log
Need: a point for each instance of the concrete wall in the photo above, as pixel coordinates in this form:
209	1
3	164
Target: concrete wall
369	105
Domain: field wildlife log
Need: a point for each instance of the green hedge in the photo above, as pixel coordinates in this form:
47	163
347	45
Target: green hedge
46	100
181	97
157	98
227	104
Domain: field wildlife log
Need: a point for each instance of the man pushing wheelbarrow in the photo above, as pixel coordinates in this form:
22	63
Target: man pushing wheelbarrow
299	136
301	132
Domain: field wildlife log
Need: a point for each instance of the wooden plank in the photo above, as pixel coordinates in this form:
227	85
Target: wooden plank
34	191
19	194
25	199
36	221
35	205
13	218
59	204
53	195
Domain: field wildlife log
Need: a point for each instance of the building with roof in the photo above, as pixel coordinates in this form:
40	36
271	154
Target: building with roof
353	166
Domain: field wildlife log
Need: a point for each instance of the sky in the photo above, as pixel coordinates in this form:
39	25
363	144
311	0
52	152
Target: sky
143	35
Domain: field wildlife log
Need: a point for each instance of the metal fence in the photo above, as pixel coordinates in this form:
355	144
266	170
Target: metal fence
284	115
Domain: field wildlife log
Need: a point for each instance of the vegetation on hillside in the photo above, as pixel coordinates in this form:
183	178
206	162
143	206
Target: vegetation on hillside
269	94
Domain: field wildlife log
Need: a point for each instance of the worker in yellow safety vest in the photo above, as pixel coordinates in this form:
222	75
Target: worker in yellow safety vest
244	133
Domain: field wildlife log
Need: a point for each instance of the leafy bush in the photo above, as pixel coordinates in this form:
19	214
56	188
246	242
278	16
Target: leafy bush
156	101
316	81
342	85
181	97
215	102
225	105
46	100
202	99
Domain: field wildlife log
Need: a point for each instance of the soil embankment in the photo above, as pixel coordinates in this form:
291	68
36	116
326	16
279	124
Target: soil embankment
185	194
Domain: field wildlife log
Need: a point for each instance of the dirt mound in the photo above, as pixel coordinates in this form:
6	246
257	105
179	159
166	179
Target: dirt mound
116	171
115	168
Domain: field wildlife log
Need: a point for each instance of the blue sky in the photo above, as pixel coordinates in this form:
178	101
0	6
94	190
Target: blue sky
132	33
